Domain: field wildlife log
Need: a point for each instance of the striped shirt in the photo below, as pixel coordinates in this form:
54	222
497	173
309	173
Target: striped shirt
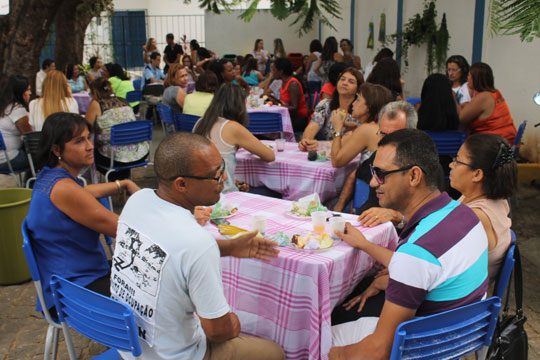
441	260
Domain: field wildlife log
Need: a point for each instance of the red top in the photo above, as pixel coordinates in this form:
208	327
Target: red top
499	122
328	88
302	111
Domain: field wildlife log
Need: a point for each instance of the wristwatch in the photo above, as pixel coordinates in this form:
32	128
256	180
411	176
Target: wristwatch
402	223
336	134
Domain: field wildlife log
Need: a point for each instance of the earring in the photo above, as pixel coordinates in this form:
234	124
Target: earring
59	158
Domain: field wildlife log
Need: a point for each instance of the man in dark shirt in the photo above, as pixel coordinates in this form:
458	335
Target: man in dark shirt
172	52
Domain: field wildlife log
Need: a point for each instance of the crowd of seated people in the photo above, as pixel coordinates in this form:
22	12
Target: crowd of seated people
365	119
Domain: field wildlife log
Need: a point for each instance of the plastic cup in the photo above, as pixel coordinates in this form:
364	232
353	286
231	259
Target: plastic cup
280	145
258	222
318	218
337	223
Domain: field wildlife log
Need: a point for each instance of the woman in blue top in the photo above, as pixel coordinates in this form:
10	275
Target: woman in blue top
251	75
65	219
77	82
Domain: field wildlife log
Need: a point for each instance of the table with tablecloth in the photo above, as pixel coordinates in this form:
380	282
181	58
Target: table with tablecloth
292	174
288	132
83	100
290	298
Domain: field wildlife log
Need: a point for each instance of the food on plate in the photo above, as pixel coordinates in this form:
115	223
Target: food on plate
259	235
281	239
230	230
220	210
312	241
312	206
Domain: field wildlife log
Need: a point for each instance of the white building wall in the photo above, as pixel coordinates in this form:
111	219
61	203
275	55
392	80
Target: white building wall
227	34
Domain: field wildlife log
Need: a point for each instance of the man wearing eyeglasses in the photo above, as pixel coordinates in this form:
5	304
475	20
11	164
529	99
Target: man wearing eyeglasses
167	267
441	259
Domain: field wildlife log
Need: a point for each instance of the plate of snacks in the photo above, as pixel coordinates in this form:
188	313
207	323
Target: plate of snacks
223	210
303	210
312	242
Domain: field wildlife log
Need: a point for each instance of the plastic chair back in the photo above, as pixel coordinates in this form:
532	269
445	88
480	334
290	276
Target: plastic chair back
137	84
314	86
517	140
31	146
361	193
447	142
506	269
449	335
265	122
133	96
413	100
132	132
166	116
95	316
185	122
18	180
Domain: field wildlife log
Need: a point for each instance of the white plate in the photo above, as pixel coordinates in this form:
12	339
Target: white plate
294	247
297	216
226	216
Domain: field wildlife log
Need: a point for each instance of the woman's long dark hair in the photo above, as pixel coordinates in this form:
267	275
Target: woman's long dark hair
14	88
229	102
386	73
58	129
69	71
251	65
482	77
329	49
438	109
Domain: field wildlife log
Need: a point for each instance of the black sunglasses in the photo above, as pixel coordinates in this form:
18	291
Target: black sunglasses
219	179
380	175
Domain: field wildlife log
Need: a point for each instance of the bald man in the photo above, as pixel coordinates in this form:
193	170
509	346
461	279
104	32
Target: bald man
167	267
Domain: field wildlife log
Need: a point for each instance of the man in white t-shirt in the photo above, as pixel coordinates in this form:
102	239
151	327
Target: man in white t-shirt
167	267
46	66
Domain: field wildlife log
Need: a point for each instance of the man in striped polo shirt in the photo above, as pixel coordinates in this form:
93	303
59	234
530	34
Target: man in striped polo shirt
441	259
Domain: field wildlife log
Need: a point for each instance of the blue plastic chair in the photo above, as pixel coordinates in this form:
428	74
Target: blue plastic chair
506	269
185	122
447	142
361	193
17	175
133	96
99	318
314	86
265	122
128	133
517	140
137	84
448	335
166	116
413	100
51	340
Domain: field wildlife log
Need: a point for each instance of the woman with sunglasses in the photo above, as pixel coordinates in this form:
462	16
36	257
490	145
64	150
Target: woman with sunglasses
224	123
485	172
363	139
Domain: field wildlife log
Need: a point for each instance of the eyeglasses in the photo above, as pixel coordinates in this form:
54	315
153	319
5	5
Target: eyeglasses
219	179
453	70
455	160
380	175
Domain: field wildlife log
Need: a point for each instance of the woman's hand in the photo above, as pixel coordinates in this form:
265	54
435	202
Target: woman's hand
129	186
202	215
377	215
337	118
308	144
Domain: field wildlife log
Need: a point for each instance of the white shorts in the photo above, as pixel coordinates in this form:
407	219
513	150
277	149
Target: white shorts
354	331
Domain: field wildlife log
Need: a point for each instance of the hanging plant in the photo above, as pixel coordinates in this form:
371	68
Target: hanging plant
421	30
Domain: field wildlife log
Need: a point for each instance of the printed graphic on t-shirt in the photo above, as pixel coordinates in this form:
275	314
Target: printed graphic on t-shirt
136	275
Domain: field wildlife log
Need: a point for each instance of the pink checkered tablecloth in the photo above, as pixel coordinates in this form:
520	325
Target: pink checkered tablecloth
290	298
292	174
83	100
288	132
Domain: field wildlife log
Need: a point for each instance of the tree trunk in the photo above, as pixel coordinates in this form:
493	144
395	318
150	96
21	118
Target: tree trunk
71	25
22	35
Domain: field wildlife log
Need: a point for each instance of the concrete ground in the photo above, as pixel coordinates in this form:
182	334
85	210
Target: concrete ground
22	330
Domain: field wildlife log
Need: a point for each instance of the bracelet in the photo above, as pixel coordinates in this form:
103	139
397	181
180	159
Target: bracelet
119	186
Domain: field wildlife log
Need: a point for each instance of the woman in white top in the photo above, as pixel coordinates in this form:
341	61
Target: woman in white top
457	70
224	123
315	49
261	55
14	120
56	98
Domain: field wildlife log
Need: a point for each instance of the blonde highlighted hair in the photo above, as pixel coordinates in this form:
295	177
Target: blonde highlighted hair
173	69
56	91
